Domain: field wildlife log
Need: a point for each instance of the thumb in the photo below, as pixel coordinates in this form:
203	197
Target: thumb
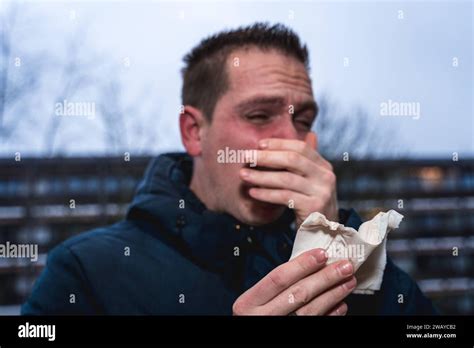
312	140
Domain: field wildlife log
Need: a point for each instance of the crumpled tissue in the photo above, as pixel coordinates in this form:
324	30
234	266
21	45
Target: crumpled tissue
366	248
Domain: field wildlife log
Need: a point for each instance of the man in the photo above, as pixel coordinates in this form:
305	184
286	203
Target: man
206	237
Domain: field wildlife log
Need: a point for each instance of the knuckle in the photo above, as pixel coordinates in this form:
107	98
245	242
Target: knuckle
293	157
277	278
286	179
331	178
324	196
302	147
341	292
300	294
334	274
287	196
330	166
308	262
328	275
316	189
337	274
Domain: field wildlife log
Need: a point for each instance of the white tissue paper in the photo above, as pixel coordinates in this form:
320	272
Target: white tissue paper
366	248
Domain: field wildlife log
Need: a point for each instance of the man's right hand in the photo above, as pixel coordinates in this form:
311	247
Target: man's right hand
302	286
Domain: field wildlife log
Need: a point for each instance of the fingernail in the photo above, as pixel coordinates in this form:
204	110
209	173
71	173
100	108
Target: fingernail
322	256
263	144
244	173
350	284
346	268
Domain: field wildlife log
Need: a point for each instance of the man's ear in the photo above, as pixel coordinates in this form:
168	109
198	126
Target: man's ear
191	123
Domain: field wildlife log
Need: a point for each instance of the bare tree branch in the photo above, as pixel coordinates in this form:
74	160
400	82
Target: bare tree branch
353	132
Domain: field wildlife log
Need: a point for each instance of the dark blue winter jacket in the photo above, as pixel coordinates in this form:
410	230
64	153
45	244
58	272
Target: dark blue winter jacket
173	256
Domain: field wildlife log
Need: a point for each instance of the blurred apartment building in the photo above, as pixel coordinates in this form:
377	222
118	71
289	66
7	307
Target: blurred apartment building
45	201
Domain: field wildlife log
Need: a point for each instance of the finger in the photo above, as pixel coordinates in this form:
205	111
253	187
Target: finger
289	181
340	309
329	299
284	276
282	179
289	160
277	196
301	147
309	288
312	140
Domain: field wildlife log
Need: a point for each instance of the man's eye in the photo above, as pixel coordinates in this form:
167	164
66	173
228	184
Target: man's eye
304	123
258	117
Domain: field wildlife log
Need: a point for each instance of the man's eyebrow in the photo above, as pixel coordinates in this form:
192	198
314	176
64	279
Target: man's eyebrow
261	101
277	102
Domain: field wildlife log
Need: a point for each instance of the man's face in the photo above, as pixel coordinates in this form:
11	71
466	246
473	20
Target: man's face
269	96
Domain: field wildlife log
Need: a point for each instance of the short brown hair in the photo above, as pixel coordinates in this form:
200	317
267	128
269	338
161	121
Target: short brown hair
205	78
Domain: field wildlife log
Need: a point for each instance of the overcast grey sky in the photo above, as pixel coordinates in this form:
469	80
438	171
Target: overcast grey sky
399	51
